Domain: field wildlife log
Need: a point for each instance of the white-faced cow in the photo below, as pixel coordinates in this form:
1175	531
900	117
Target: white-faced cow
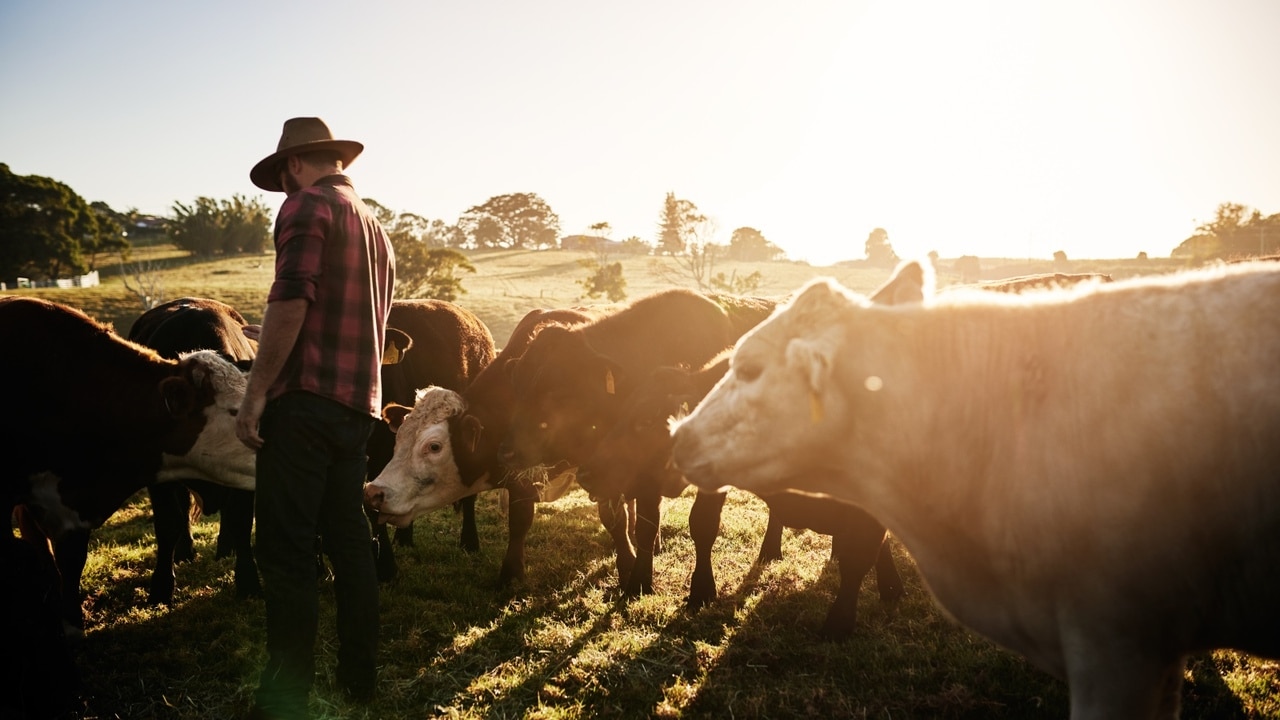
399	493
1090	477
92	418
448	346
171	329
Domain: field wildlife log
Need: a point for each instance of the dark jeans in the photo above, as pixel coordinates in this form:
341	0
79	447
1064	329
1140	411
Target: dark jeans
310	479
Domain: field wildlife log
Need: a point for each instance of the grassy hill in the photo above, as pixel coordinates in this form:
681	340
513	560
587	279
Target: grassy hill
509	283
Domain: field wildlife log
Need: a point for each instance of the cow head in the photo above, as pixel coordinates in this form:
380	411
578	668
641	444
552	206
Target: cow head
566	396
422	474
203	398
780	391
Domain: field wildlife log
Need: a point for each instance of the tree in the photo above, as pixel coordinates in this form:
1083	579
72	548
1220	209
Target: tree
521	220
605	277
674	224
47	230
749	245
211	227
1235	231
879	251
425	266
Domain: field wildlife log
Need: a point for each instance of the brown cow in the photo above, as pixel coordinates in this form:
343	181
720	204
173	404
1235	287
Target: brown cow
569	385
633	460
473	437
448	346
101	418
172	328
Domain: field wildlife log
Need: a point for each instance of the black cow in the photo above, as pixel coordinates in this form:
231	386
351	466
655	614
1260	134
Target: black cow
171	329
92	418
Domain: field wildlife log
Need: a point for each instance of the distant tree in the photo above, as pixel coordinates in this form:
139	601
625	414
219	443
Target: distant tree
635	246
749	245
521	220
1142	255
427	272
737	285
1059	258
879	251
678	220
47	230
604	278
1235	231
209	227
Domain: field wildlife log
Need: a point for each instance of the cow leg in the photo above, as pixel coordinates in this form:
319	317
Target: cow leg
521	497
648	514
235	533
70	553
171	519
704	526
1121	682
888	581
616	519
470	533
771	546
857	549
384	556
404	535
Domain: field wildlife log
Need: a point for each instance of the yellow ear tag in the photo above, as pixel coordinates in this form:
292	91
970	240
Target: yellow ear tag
815	408
391	356
608	381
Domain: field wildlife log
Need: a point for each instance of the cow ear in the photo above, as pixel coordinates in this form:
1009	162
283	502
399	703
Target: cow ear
179	396
471	431
395	344
906	286
813	359
394	415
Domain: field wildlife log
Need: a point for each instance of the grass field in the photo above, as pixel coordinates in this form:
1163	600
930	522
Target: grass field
563	644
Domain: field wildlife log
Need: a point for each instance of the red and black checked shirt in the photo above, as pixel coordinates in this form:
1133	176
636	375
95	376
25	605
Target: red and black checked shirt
331	251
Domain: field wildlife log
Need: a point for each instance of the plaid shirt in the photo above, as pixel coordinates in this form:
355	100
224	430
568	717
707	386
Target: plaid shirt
331	251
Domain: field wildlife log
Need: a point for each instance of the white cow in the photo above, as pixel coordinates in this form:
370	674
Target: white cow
1090	477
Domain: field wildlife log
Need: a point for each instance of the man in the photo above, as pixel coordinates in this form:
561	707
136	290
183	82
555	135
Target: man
313	395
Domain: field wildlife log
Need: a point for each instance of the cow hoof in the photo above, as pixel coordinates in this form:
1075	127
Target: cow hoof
695	603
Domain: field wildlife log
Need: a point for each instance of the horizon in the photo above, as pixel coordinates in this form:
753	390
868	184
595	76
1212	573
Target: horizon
995	129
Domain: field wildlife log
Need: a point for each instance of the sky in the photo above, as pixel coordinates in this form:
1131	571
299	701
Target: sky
1000	128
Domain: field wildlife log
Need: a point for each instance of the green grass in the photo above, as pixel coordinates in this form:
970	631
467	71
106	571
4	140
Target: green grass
563	644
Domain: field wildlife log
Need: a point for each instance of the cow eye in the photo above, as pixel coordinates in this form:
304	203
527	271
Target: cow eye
748	372
234	412
435	447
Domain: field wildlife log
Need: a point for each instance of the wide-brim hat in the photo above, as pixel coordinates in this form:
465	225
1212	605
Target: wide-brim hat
301	134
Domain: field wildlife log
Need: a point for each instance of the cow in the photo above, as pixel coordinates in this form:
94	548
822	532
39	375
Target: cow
475	426
172	328
1088	477
448	347
93	418
570	383
634	460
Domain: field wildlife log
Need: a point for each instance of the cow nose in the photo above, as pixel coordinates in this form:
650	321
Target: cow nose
373	496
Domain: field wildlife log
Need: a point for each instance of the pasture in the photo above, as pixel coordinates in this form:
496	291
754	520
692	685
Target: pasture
563	644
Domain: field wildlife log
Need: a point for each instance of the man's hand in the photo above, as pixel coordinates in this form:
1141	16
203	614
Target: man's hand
247	420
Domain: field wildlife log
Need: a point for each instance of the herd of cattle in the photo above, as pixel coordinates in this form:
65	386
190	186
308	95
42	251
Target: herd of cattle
1086	472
